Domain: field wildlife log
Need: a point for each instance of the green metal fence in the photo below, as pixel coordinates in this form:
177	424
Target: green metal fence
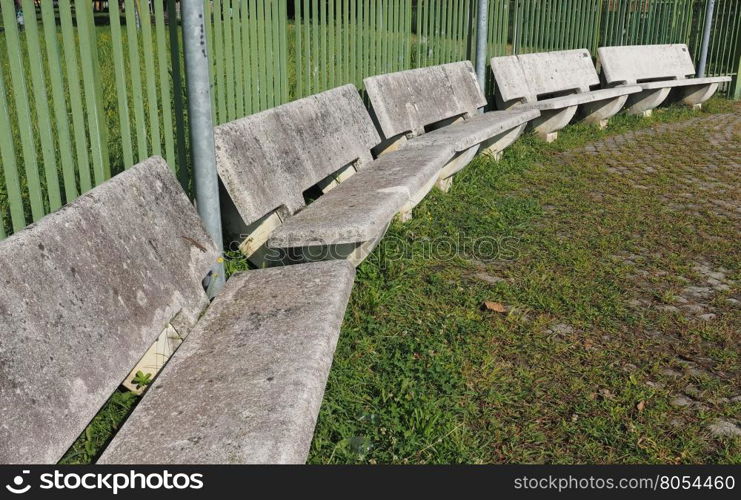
80	102
249	56
724	52
84	94
342	41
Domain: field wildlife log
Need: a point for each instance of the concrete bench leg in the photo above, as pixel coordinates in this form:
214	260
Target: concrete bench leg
599	112
405	214
695	95
458	163
493	147
551	121
644	102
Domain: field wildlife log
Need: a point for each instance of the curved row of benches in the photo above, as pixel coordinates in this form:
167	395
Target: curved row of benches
113	280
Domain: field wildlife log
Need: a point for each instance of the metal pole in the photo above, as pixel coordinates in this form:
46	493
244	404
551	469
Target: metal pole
482	23
706	38
202	130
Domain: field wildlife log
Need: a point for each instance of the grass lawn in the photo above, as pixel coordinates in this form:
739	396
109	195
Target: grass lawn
575	371
593	353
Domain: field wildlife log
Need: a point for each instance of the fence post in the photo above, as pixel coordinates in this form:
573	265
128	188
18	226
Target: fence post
706	38
736	83
482	22
202	130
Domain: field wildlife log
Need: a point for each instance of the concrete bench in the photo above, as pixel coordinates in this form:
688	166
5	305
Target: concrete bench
91	288
87	291
558	84
438	105
268	161
656	69
247	385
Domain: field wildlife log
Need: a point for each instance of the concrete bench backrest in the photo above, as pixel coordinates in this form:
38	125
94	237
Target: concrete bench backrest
86	291
639	63
407	101
267	160
527	76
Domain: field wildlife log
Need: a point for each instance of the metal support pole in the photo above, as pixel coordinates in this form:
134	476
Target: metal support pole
202	130
706	39
482	24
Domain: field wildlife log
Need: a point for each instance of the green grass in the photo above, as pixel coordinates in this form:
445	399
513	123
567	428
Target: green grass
423	375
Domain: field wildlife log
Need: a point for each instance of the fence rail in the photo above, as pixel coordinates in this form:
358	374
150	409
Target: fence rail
85	94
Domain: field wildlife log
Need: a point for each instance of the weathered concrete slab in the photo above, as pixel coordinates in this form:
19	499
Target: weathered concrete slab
407	101
247	384
87	290
475	130
362	206
267	160
634	63
657	69
526	76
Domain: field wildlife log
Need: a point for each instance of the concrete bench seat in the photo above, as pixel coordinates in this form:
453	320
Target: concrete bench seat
561	102
348	220
657	69
87	291
268	161
683	83
438	105
475	131
558	84
247	385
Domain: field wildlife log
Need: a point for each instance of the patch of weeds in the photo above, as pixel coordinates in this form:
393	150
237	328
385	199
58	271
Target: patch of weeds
101	430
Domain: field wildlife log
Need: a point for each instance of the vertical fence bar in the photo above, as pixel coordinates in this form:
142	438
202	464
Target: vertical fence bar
38	84
308	50
91	82
329	34
136	80
283	34
10	167
239	109
299	57
172	22
227	21
124	119
23	110
255	73
61	123
218	55
75	94
164	80
149	72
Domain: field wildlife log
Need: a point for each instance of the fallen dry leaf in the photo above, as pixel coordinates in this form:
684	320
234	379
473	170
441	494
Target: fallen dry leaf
641	405
495	306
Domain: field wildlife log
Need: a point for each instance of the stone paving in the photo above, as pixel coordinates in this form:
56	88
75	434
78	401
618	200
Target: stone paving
694	168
